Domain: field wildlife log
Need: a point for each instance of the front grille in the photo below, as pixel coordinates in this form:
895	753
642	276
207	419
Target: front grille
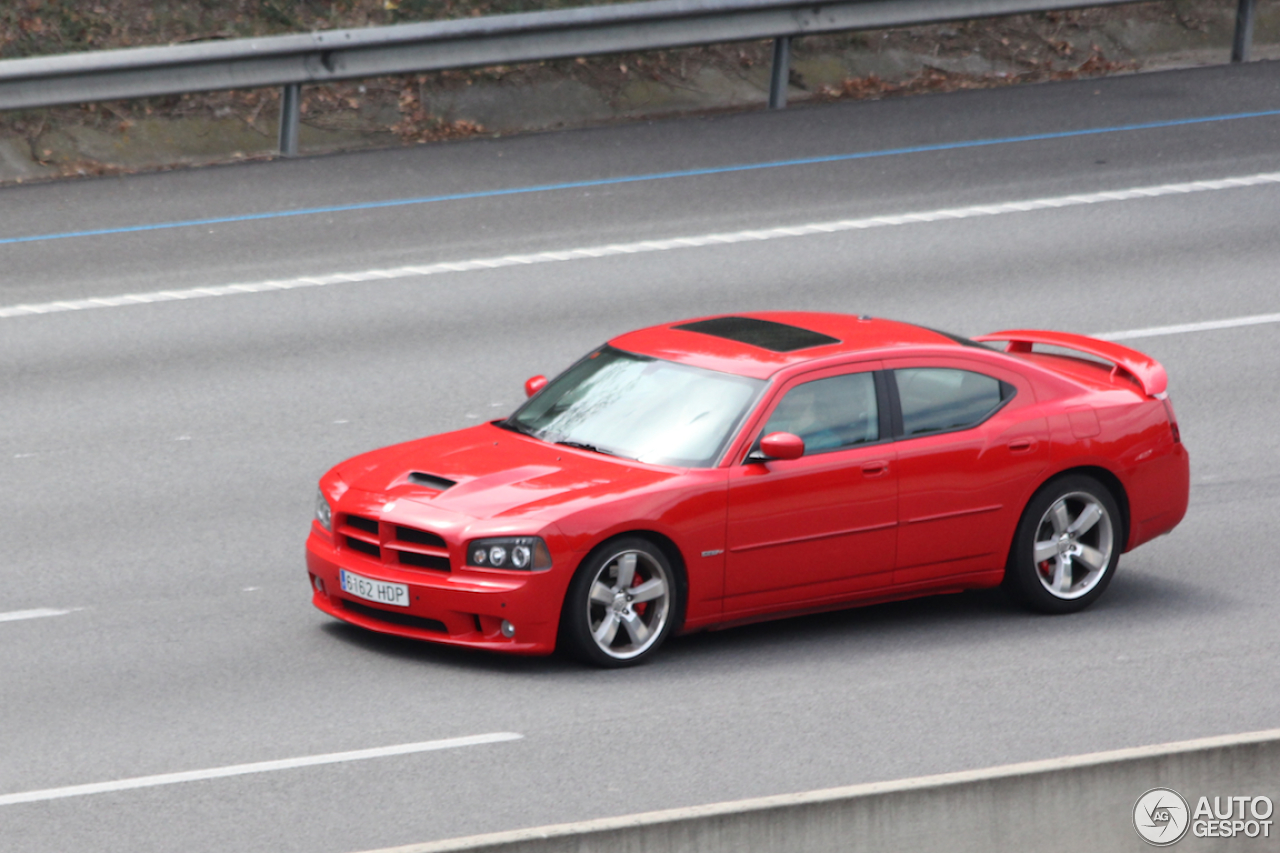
366	547
395	544
419	537
406	619
359	522
424	561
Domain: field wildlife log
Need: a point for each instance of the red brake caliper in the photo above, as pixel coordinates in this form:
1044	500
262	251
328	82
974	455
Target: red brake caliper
642	606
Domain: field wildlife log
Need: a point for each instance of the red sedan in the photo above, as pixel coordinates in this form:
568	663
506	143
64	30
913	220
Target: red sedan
738	468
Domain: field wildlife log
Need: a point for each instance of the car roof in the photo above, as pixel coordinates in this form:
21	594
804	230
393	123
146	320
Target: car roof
764	342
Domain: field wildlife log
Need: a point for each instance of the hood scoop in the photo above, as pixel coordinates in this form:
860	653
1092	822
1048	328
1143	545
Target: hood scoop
430	481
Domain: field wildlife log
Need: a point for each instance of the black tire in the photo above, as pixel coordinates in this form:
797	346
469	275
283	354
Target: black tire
603	623
1067	546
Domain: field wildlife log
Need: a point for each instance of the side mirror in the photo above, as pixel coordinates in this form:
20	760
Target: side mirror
534	384
782	445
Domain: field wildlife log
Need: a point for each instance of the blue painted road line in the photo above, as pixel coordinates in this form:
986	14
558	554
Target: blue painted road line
631	179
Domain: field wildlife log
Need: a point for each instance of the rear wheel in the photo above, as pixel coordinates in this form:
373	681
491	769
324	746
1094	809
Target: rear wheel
1067	546
621	605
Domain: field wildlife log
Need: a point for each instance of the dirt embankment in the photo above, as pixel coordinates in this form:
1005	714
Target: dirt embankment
223	126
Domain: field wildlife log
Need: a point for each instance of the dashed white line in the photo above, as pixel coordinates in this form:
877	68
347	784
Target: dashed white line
1021	206
1183	328
256	767
37	613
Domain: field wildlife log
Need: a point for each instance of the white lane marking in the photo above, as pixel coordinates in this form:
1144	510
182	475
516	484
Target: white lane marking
37	613
1183	328
256	767
648	245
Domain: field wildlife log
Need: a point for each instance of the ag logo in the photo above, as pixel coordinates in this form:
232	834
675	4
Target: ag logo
1161	816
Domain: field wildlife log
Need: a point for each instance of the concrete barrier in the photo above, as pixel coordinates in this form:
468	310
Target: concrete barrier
1080	803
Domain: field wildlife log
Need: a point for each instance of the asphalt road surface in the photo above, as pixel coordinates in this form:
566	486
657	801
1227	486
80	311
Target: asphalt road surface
159	459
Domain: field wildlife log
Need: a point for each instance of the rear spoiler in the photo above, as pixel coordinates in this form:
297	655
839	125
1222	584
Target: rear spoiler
1149	372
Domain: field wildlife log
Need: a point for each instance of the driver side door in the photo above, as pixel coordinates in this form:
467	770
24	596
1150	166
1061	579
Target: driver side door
821	526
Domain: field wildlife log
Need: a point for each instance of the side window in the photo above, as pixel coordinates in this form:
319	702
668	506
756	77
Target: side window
831	413
940	399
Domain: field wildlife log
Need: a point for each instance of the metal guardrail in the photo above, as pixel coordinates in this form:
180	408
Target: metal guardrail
294	60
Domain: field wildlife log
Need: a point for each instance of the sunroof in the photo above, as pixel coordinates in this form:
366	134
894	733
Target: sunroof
766	334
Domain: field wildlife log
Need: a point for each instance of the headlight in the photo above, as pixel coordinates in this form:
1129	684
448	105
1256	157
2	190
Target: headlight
324	514
524	553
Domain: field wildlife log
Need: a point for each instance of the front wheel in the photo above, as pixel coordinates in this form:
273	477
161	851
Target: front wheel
1067	546
621	604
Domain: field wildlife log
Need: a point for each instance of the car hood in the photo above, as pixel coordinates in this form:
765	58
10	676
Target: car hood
496	472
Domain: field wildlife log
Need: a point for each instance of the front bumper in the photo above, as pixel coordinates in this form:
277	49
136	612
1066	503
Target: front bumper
457	608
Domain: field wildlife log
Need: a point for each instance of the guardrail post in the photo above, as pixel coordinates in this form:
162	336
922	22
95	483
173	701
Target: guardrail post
1244	31
290	117
782	72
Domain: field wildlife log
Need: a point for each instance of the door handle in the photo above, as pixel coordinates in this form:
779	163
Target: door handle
876	468
1022	445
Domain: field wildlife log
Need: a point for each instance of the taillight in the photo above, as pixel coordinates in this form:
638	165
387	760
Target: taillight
1173	420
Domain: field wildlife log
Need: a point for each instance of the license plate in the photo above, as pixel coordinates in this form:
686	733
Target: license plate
382	592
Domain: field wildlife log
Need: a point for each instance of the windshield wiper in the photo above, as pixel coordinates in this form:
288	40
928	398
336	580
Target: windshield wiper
516	426
578	445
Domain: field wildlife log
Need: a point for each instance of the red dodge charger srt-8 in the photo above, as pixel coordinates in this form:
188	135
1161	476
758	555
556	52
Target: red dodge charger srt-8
736	468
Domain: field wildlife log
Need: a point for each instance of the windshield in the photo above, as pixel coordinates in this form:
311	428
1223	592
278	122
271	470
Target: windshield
640	408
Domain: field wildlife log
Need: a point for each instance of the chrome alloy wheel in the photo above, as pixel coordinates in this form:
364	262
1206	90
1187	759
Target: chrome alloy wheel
628	604
1073	545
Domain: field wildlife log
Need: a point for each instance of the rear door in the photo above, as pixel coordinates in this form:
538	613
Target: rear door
822	525
971	444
